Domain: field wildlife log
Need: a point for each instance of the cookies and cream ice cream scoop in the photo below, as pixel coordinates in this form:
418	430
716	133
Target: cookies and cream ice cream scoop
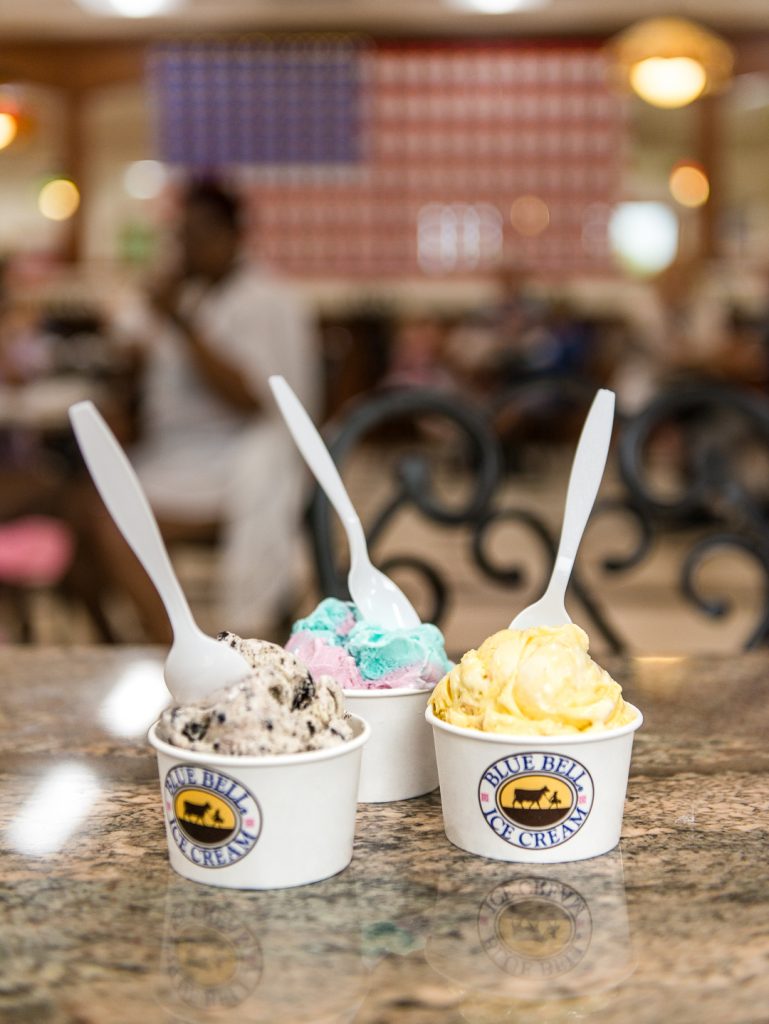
279	707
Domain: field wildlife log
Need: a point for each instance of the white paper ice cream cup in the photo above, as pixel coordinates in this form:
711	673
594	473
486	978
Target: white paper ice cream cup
399	761
533	799
260	822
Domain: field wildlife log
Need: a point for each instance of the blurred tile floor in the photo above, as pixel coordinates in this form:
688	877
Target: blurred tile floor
644	605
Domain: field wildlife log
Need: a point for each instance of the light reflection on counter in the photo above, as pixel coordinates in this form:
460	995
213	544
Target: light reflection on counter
136	699
60	802
661	676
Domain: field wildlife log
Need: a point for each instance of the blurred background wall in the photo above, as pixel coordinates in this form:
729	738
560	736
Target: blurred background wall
473	195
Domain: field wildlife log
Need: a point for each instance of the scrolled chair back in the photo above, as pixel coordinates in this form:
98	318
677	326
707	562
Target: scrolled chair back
716	509
413	478
457	431
719	437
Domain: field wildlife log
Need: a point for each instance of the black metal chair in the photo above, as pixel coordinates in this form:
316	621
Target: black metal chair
477	448
715	500
715	425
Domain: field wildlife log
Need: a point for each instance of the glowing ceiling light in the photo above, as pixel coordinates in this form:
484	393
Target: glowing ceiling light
689	185
644	236
529	215
669	62
498	6
142	8
9	127
59	199
129	8
668	81
144	179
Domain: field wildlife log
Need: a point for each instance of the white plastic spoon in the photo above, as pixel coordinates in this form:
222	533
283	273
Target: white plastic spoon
378	599
584	481
196	664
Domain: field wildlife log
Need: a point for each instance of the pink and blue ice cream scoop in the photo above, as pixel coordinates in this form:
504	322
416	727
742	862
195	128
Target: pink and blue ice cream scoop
335	641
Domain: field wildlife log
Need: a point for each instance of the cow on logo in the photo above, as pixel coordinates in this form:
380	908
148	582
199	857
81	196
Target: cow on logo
530	796
198	811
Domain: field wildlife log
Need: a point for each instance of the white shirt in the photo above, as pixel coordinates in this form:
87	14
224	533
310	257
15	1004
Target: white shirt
201	460
258	325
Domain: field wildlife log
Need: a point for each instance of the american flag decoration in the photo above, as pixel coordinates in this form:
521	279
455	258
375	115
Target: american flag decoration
258	103
369	159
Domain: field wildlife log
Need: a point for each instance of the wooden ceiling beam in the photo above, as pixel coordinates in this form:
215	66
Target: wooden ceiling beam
72	66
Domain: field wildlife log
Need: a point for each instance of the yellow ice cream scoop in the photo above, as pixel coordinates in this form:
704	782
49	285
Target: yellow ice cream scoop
539	681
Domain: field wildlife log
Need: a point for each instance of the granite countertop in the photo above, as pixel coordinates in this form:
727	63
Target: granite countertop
97	929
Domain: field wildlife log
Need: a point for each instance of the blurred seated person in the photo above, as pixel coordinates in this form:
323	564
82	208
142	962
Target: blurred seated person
417	355
481	341
555	344
213	454
521	334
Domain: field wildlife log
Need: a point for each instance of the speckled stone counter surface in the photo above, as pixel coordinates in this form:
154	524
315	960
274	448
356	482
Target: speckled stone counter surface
96	928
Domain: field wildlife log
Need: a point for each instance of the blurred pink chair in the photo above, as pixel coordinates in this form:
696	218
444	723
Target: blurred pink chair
35	552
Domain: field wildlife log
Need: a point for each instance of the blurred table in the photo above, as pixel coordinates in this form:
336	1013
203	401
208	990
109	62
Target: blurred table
96	928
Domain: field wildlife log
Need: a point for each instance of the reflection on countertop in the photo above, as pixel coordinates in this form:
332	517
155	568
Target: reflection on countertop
96	927
268	956
549	933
